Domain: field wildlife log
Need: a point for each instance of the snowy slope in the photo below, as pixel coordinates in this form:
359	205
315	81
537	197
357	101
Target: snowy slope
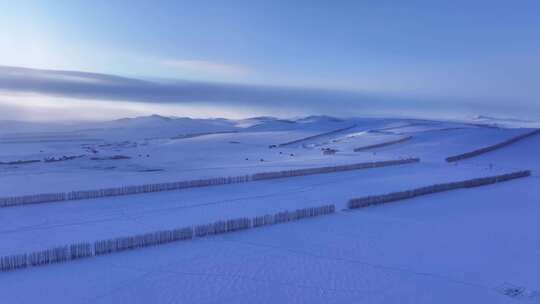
476	245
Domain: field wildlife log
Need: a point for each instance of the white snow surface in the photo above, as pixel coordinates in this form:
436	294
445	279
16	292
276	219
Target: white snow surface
478	245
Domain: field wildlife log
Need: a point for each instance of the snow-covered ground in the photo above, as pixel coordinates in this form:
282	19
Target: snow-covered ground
477	245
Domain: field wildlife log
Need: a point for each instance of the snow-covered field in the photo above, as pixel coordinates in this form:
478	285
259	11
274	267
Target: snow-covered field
477	245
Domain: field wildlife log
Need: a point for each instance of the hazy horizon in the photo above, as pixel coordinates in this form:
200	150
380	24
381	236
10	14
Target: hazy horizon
64	60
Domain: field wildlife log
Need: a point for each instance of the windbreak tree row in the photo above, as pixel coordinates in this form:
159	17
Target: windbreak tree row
297	141
402	195
170	186
383	144
119	191
331	169
492	147
118	244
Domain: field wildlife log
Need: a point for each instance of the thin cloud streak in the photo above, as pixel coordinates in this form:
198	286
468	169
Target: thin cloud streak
207	67
108	87
282	101
37	107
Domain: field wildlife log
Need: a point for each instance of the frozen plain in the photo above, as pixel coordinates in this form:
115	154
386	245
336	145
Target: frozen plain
472	246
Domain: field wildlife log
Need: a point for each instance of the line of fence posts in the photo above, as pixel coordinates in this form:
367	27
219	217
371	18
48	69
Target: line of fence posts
101	247
401	195
108	246
296	141
492	147
384	144
159	187
331	169
119	191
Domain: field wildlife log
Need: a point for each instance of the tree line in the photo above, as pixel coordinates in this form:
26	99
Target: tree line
315	136
402	195
383	144
108	246
492	147
331	169
169	186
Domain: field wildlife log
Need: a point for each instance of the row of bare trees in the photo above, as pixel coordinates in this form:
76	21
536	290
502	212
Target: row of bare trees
128	190
80	250
102	247
383	144
147	188
492	147
331	169
297	141
118	191
142	240
396	196
220	227
32	199
286	216
13	262
37	258
49	256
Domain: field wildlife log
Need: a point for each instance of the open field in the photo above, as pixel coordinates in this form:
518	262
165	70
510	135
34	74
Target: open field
471	245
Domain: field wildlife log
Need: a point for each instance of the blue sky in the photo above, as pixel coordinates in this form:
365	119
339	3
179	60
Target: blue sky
474	56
